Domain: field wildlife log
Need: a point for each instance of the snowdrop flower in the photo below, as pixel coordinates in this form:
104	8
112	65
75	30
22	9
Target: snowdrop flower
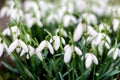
15	14
43	5
100	37
89	59
101	40
11	11
44	44
56	42
100	46
83	5
3	46
15	31
100	8
30	20
4	11
28	5
78	32
115	24
91	31
89	17
68	20
61	12
115	52
33	51
88	39
18	43
69	49
104	26
70	8
52	18
62	31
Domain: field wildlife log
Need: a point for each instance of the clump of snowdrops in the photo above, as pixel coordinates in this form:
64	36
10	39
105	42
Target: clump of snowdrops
62	40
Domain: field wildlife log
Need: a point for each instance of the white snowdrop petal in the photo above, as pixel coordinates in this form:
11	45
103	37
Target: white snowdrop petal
74	19
3	11
98	39
66	47
87	54
110	51
22	52
18	49
107	45
12	46
51	41
1	49
15	30
100	48
78	51
66	21
88	61
119	52
78	32
6	32
41	46
31	50
23	45
94	58
91	31
108	39
63	41
5	46
67	55
64	33
115	24
115	53
39	23
50	48
57	43
39	56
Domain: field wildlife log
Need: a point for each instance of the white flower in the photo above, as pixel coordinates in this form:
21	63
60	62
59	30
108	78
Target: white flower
89	59
62	31
70	8
18	43
78	32
69	49
30	20
100	37
114	52
68	20
61	12
44	44
90	18
52	18
3	11
99	7
28	5
15	31
3	46
92	31
33	51
56	42
101	40
83	5
115	24
104	26
1	49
